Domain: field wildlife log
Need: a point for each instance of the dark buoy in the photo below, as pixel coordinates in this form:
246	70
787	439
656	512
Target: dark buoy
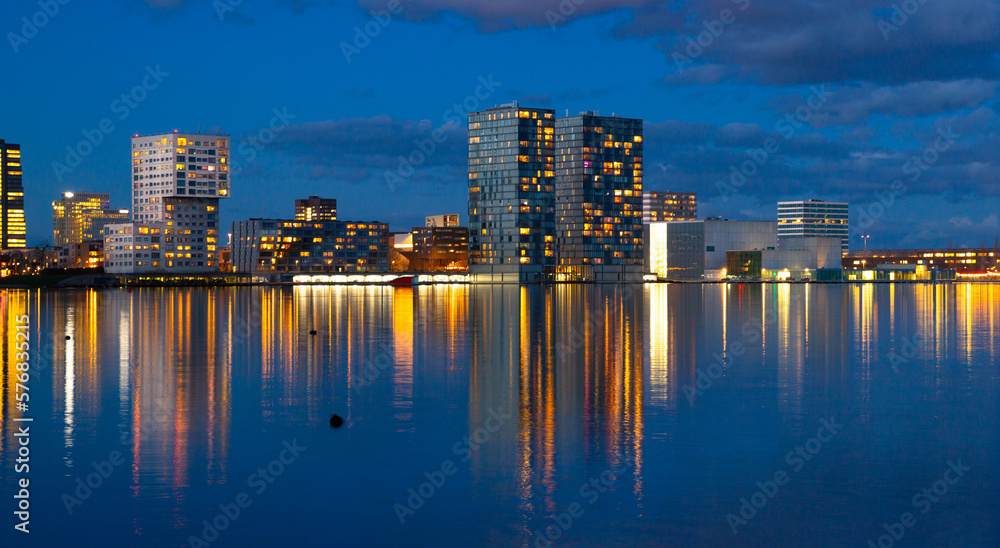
336	421
312	331
68	337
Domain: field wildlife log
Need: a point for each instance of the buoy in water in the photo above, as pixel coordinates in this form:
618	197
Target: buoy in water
312	331
336	421
68	337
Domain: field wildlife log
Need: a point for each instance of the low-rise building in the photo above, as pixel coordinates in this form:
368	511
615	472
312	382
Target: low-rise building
796	259
85	254
440	248
696	250
973	263
277	246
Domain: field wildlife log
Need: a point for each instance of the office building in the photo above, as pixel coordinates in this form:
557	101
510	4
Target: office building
442	220
511	194
279	246
696	250
801	259
177	182
315	208
13	231
669	206
81	216
440	248
598	198
816	218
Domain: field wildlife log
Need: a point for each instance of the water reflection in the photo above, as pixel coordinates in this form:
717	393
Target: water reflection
186	381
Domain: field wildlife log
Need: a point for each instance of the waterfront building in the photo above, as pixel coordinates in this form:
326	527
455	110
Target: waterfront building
696	250
85	254
177	182
280	246
315	208
82	216
669	206
967	263
13	231
598	198
805	218
440	248
511	194
800	260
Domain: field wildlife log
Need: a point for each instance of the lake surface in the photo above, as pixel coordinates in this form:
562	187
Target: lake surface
658	415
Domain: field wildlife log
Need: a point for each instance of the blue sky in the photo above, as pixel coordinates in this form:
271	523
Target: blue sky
869	90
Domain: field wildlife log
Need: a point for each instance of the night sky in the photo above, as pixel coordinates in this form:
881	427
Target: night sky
857	101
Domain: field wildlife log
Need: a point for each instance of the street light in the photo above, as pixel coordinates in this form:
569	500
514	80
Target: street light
865	238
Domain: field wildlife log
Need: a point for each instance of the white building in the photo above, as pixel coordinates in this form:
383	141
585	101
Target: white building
177	181
696	250
814	218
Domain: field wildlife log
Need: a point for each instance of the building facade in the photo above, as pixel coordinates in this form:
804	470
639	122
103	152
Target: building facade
598	198
177	182
279	246
696	250
13	231
81	216
669	206
85	254
511	194
442	220
972	263
816	218
440	248
315	208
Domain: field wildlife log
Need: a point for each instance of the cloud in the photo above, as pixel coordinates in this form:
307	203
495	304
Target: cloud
496	16
855	105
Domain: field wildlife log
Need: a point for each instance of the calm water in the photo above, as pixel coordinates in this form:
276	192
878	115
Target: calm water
609	416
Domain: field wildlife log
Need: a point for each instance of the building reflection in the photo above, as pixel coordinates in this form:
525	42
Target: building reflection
567	363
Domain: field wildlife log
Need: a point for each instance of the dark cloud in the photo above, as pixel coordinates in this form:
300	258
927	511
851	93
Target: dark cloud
855	105
496	16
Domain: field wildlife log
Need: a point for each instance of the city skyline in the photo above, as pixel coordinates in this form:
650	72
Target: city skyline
845	130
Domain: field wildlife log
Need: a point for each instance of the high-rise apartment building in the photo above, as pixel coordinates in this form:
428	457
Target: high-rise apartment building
598	195
511	193
315	208
13	232
82	216
669	206
813	218
177	181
